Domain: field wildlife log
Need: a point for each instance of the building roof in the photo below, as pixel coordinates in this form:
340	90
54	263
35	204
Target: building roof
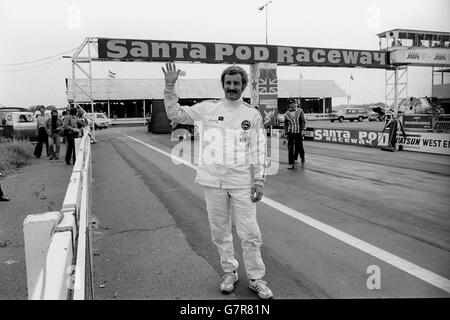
138	89
411	34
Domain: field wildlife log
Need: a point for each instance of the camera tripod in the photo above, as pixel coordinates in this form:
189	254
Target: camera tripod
393	124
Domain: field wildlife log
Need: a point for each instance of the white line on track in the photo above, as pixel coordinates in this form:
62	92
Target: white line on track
402	264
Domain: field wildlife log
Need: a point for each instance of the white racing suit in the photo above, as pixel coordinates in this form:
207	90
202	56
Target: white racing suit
232	159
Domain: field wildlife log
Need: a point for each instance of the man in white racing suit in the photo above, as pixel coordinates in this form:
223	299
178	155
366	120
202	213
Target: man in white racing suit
231	170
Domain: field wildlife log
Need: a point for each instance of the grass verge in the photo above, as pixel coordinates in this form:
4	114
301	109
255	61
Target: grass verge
14	154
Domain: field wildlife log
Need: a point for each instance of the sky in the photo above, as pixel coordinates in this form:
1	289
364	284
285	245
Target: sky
34	35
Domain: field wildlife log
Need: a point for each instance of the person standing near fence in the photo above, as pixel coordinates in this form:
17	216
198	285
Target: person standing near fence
295	125
41	132
71	132
54	126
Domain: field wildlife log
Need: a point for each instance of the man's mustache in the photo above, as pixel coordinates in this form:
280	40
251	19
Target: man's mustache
232	91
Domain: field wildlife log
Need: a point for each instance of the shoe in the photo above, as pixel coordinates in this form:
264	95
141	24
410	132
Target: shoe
261	288
292	167
56	158
303	163
51	158
3	198
228	281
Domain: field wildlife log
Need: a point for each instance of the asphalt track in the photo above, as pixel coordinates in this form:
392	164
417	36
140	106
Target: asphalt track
326	227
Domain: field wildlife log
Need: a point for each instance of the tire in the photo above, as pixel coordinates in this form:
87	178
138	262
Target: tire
341	119
332	120
360	119
351	120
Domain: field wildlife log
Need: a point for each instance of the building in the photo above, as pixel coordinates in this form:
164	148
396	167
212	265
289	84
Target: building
136	98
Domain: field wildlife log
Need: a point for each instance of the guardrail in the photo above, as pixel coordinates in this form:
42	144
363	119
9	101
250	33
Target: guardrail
58	244
128	121
320	116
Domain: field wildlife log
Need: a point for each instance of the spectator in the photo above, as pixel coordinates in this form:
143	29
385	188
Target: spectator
295	125
71	132
54	126
41	132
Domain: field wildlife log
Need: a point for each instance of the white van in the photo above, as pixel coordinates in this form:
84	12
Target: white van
100	120
23	122
351	114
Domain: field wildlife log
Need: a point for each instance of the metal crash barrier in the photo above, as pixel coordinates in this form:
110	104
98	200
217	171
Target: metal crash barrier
58	244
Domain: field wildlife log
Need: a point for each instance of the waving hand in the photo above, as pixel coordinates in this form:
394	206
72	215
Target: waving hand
171	73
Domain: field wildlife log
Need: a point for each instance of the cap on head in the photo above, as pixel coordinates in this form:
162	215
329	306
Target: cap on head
291	100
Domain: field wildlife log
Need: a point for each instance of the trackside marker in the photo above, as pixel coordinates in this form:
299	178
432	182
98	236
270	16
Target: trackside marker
402	264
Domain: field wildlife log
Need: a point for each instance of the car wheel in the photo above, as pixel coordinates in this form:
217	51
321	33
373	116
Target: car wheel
332	120
351	120
341	119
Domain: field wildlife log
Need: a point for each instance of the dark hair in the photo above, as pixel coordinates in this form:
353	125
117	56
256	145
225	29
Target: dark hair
233	70
73	111
40	106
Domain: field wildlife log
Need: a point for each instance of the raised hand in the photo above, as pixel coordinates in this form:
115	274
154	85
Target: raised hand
171	73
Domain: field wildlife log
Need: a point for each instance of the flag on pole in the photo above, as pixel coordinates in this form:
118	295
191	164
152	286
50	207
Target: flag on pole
351	76
111	74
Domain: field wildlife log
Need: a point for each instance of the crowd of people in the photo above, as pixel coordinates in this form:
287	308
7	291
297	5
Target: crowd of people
50	129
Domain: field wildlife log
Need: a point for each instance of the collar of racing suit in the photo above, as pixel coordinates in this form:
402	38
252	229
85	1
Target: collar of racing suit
232	104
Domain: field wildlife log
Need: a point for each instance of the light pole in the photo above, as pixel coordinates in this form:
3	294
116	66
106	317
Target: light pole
262	8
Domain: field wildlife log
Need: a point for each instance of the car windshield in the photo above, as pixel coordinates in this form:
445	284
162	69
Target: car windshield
25	118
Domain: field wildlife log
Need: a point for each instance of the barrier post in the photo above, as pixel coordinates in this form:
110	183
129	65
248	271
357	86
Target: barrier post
38	230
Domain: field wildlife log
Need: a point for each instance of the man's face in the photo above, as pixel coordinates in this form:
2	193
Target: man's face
292	106
232	85
42	110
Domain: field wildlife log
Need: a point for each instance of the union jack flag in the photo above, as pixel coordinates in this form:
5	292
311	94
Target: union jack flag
268	82
268	86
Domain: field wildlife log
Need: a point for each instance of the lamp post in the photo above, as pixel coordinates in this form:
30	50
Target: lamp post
262	8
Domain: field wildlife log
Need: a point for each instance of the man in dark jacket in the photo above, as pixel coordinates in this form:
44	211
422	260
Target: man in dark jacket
54	126
295	125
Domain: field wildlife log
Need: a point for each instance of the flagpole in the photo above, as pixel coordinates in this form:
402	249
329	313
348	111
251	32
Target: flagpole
300	86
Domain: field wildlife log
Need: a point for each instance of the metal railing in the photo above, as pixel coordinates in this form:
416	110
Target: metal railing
58	244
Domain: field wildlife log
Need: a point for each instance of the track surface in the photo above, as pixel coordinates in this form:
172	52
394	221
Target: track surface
152	238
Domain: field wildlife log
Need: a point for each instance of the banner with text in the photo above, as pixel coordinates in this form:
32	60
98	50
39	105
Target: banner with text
351	137
264	91
413	141
426	142
205	52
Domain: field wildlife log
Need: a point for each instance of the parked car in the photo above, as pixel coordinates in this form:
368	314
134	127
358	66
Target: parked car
101	121
351	114
23	123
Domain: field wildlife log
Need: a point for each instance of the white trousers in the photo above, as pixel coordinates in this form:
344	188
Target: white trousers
221	203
